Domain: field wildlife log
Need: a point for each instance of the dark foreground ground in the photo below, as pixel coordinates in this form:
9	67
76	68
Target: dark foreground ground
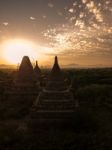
90	128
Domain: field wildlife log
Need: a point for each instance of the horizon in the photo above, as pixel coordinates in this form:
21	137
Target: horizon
49	65
79	32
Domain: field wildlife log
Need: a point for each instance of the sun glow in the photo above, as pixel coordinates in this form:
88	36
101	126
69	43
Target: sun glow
14	50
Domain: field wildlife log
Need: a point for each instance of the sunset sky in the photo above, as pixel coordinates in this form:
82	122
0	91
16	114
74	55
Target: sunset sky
78	31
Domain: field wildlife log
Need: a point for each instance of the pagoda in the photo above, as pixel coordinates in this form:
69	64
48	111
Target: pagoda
25	75
55	101
37	71
25	82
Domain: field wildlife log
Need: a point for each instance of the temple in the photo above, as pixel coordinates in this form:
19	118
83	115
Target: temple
25	82
37	71
25	75
55	101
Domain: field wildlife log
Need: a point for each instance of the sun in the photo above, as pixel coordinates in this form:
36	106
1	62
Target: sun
14	50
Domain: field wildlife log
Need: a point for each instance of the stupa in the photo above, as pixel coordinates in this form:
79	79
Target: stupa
25	83
55	101
25	75
37	71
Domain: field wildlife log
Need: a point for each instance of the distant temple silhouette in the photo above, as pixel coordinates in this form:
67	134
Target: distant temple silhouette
25	75
55	100
56	78
37	71
25	84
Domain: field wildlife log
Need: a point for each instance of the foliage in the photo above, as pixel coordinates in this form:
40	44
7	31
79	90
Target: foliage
90	127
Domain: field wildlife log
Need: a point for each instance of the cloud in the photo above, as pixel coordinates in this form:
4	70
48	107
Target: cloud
75	4
50	5
32	18
84	1
107	2
60	13
80	41
44	16
81	15
80	24
5	23
71	10
93	9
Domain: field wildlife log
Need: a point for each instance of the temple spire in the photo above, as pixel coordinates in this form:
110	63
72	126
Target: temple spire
55	69
56	78
56	60
25	72
37	70
36	63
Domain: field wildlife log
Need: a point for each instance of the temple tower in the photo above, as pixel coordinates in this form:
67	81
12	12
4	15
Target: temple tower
37	69
37	72
25	82
56	100
25	74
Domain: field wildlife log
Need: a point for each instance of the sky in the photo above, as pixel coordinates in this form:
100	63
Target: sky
78	31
